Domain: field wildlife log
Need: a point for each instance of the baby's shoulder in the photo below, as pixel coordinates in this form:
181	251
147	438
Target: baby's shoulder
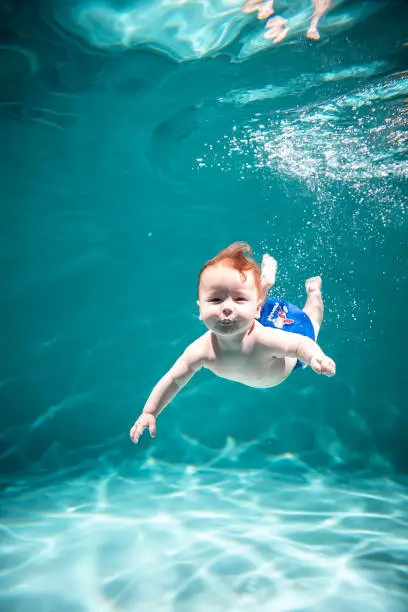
199	348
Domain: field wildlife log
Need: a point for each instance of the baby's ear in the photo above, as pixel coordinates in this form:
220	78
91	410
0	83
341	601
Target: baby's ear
258	309
199	311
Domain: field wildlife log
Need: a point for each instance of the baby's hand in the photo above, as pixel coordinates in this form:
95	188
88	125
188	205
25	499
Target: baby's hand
145	420
323	365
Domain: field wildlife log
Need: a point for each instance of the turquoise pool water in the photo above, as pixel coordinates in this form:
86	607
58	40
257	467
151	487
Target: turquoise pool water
136	141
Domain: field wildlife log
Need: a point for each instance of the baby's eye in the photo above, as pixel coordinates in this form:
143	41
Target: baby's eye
241	299
214	300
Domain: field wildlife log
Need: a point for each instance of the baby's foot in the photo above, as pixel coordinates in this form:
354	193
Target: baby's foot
265	9
313	33
276	29
251	6
269	268
313	285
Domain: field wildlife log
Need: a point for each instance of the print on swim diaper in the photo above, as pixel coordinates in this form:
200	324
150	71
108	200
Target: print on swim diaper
280	319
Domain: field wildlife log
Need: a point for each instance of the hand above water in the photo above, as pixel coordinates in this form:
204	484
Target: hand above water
145	421
323	365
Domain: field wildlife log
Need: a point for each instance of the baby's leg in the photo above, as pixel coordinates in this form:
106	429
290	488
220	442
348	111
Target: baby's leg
314	304
321	6
268	274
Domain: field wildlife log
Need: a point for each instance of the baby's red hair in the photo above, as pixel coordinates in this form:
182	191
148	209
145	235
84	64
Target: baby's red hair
234	257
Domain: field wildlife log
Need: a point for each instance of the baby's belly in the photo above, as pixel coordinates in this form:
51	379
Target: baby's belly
255	375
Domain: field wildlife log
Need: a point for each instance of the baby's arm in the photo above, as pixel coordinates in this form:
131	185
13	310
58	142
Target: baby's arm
168	386
286	344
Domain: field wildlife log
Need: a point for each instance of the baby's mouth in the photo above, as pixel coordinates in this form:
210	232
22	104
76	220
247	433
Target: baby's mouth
226	321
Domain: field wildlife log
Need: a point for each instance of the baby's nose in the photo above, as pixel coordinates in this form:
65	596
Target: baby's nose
226	308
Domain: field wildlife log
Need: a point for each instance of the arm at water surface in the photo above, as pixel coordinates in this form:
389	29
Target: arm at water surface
167	388
287	344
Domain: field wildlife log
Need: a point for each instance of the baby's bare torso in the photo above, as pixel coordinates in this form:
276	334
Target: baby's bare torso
252	365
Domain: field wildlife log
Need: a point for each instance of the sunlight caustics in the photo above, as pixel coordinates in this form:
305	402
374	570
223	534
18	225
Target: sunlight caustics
182	539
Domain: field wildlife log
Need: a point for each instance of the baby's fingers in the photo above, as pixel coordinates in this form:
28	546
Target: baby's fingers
316	365
152	428
136	432
328	367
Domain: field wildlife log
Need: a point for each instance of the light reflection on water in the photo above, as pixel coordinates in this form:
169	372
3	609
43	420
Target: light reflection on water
191	29
173	538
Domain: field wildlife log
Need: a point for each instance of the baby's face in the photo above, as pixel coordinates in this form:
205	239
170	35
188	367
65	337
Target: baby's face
228	304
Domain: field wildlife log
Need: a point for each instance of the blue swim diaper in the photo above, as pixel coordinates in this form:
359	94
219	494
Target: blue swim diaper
288	317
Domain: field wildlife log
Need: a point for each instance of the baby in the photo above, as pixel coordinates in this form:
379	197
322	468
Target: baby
247	339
